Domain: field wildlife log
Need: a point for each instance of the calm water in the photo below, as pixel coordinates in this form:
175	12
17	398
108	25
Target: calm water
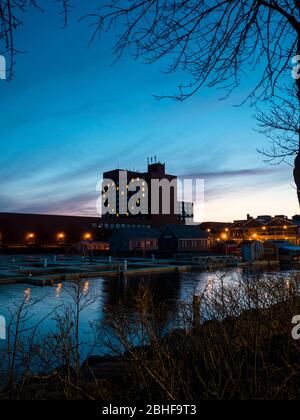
111	294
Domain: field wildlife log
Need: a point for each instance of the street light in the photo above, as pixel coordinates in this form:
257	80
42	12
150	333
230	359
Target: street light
88	236
61	237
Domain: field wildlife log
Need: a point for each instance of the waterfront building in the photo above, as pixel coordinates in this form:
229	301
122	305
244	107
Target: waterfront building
252	251
181	238
217	232
266	228
221	247
283	251
84	247
121	213
66	232
135	240
48	231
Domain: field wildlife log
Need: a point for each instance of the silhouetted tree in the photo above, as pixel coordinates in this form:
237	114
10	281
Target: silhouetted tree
281	124
217	42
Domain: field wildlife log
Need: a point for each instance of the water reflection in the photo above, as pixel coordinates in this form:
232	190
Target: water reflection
27	295
122	295
86	288
167	291
58	290
164	289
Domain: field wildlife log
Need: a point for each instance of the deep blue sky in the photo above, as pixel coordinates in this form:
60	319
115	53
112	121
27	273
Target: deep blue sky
68	116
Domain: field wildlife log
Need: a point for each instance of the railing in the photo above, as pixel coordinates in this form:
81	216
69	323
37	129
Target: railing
228	260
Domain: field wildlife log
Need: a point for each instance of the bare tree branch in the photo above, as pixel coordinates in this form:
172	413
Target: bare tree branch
11	19
214	42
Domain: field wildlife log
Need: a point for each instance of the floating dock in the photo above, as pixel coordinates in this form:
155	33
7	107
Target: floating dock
49	270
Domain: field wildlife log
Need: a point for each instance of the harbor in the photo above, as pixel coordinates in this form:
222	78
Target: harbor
45	270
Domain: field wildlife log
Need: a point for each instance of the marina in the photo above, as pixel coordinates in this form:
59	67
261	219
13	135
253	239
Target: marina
43	270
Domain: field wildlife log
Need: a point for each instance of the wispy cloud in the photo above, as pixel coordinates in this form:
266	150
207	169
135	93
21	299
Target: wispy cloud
77	204
237	173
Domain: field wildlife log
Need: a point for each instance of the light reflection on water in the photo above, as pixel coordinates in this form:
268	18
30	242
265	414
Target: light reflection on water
169	289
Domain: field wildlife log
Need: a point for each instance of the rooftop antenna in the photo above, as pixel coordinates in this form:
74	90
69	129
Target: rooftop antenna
148	161
155	159
151	159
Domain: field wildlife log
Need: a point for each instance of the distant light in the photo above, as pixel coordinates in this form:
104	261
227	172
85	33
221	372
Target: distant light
87	236
30	237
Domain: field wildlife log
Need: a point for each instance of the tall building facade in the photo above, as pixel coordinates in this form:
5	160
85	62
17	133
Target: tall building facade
156	204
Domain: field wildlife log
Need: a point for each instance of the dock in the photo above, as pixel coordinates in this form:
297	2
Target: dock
45	270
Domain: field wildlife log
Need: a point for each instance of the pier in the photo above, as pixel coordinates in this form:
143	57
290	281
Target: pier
46	270
43	270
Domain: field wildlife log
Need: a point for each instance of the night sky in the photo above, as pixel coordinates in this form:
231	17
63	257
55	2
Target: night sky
68	116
